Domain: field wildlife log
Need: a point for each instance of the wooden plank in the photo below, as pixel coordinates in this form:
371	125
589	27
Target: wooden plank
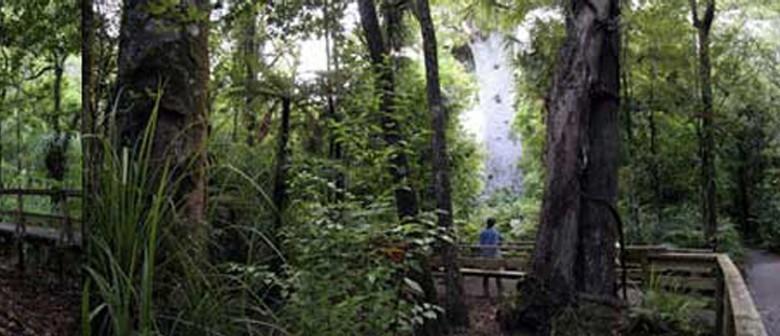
744	316
37	233
38	215
481	263
687	283
41	192
684	257
492	273
486	273
7	228
504	249
515	263
694	270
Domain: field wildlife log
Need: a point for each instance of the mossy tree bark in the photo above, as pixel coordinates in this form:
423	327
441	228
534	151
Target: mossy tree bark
574	260
164	49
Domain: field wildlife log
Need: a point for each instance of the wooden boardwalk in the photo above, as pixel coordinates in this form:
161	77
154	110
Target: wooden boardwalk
38	233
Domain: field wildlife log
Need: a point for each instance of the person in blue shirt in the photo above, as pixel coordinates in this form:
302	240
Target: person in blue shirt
487	238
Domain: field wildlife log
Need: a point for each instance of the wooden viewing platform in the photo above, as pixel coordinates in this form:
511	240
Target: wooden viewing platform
692	272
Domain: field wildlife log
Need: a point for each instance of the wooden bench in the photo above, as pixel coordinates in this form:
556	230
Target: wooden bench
510	265
506	268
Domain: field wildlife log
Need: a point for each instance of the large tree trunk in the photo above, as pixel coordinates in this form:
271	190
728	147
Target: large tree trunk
455	306
708	187
161	53
575	246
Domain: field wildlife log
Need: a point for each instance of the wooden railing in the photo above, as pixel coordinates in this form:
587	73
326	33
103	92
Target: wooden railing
694	272
61	227
737	315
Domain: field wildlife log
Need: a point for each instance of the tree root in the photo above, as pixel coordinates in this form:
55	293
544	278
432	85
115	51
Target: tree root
547	310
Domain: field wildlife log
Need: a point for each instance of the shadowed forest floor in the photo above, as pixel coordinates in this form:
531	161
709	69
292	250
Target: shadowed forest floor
482	310
38	302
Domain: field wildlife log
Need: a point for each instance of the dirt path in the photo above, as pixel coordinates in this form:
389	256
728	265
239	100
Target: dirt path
38	302
763	280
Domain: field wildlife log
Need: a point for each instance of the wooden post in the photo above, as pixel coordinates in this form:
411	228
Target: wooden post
645	264
21	230
729	329
720	298
66	229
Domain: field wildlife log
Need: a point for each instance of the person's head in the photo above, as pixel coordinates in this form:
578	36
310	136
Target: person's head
491	222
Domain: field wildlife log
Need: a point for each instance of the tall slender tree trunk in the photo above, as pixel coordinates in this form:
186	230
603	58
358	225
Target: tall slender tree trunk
90	144
280	176
455	306
655	174
59	65
250	58
335	151
708	187
91	149
744	184
164	54
574	259
405	196
2	149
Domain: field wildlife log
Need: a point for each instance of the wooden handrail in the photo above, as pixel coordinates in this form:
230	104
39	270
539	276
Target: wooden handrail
740	316
39	215
61	219
509	247
41	192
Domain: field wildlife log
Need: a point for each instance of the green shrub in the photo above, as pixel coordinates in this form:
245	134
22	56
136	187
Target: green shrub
350	267
665	312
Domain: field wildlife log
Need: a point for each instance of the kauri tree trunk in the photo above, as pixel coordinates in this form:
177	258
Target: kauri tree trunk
164	49
455	306
574	259
708	188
